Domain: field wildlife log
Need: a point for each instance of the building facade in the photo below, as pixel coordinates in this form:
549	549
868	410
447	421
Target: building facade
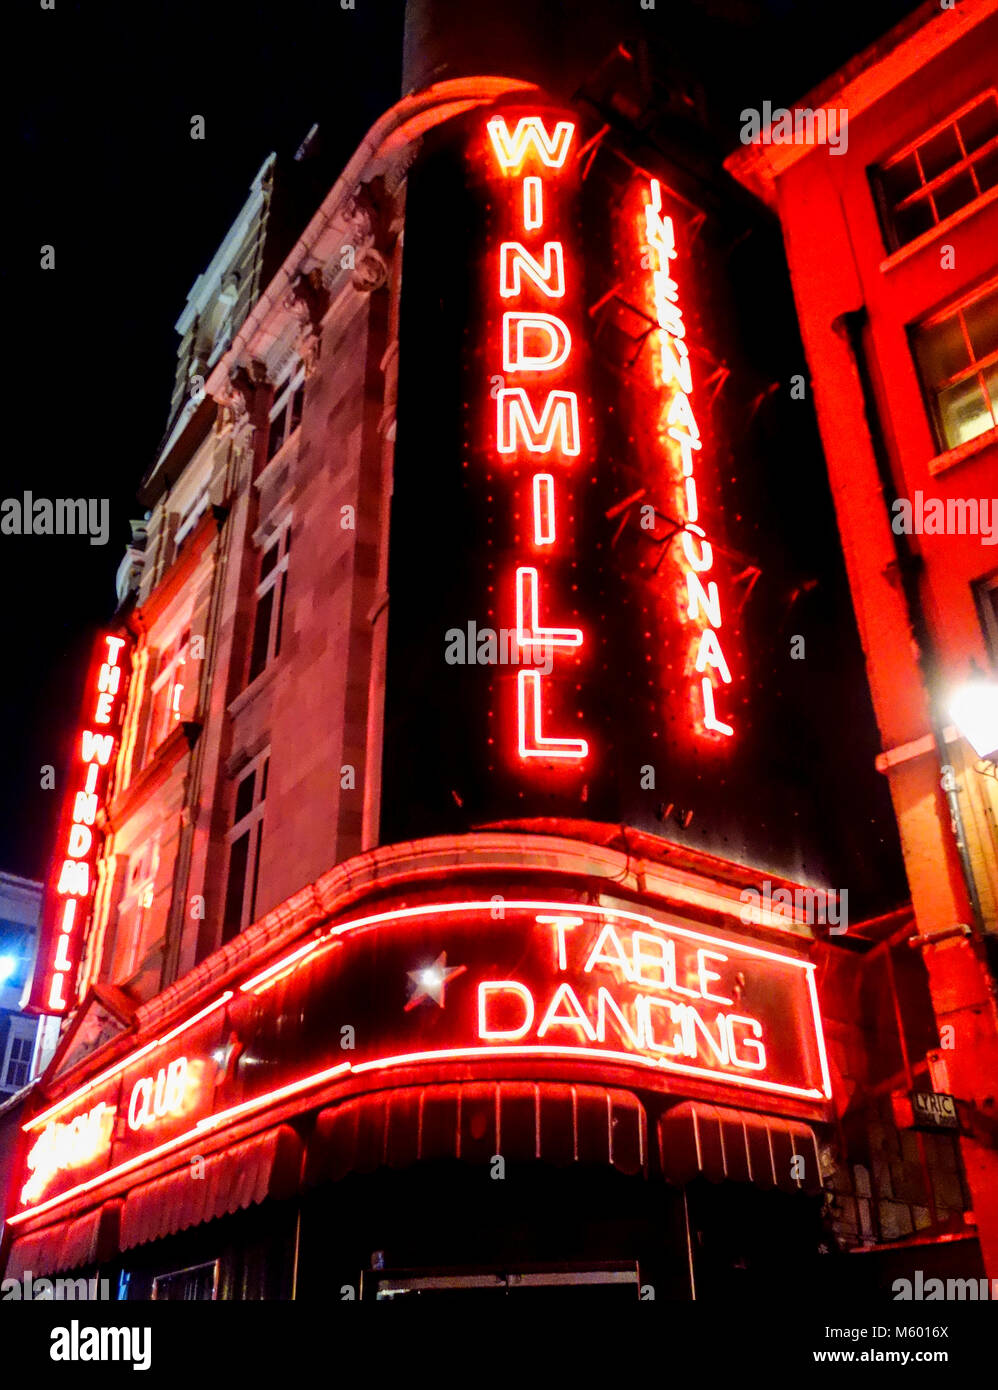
20	902
27	1042
464	883
892	254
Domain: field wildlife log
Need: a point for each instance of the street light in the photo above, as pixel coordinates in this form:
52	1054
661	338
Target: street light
973	708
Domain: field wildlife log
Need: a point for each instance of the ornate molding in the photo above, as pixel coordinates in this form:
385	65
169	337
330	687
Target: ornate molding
308	300
236	400
370	220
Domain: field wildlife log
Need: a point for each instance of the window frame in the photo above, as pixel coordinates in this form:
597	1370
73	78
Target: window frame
18	1031
176	647
931	391
133	912
275	579
249	824
928	188
213	1265
283	406
986	600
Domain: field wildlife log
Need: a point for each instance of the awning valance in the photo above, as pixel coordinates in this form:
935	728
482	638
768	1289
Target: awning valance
472	1121
710	1140
269	1165
88	1240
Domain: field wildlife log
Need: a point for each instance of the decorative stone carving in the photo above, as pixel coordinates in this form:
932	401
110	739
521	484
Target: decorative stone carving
308	299
236	400
369	216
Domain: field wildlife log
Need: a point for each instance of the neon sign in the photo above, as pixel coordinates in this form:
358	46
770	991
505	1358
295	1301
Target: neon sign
86	1140
72	883
580	986
62	1147
679	433
537	352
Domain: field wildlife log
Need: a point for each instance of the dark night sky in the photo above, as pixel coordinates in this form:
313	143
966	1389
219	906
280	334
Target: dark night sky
104	169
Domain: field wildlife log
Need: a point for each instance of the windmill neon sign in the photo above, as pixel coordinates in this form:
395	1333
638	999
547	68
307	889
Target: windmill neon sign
71	887
537	409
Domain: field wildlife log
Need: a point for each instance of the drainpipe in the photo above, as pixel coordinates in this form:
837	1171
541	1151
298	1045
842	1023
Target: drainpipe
850	326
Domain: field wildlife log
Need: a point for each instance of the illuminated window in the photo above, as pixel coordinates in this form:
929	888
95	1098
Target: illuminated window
187	1285
945	170
957	354
270	590
285	414
244	841
17	1063
167	692
136	931
986	593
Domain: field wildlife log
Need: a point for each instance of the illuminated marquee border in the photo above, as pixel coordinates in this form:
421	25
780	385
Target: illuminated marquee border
263	979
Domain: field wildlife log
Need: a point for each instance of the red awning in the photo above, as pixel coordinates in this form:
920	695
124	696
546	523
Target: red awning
474	1121
718	1143
89	1240
266	1166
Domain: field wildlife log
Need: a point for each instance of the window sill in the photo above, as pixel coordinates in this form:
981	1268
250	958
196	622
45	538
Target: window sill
256	687
952	458
912	248
283	455
179	741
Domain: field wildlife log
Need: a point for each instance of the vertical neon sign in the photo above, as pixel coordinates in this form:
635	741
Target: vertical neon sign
537	417
71	886
678	424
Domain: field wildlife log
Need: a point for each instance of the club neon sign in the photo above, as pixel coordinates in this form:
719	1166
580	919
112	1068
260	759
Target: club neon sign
679	433
537	413
583	987
63	1146
72	882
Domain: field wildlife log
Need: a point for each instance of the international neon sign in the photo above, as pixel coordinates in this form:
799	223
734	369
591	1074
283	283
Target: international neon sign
537	414
73	879
571	983
679	434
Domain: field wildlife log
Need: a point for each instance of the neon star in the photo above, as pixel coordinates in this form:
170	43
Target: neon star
431	982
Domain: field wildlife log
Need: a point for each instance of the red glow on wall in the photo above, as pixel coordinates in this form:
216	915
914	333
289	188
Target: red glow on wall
72	881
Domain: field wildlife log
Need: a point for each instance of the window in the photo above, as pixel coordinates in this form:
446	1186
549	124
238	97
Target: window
285	414
270	589
986	593
135	930
939	173
18	1063
192	516
957	354
602	1282
167	692
244	841
187	1285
